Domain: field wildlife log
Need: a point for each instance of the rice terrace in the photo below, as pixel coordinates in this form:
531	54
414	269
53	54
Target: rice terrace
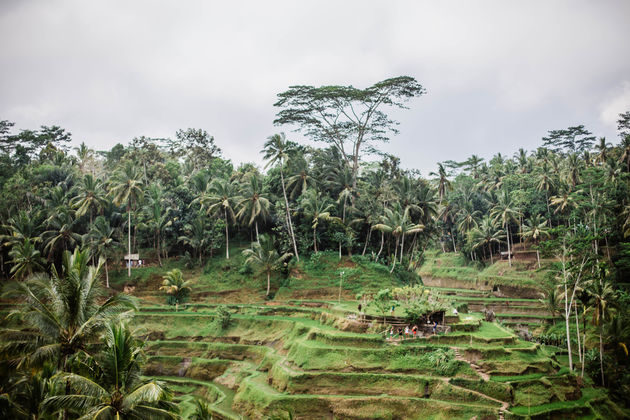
398	246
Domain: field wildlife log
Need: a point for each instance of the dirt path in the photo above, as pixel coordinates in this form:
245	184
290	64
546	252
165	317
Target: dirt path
485	377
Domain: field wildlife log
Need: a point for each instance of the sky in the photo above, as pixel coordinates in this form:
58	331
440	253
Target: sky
498	74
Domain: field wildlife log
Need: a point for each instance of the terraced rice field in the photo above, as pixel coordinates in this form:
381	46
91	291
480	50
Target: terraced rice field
314	362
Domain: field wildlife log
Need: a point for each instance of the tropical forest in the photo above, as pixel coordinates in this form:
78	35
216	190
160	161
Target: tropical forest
158	279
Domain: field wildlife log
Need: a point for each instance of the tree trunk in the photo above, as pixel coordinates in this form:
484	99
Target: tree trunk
507	231
381	248
538	258
157	245
577	327
601	350
490	249
268	283
367	240
453	239
395	255
286	204
257	236
315	240
129	241
106	273
227	236
567	316
402	247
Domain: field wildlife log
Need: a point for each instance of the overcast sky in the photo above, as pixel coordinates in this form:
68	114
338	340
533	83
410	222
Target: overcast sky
498	74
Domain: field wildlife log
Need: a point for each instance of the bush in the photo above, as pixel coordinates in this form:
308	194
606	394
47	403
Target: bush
223	317
245	270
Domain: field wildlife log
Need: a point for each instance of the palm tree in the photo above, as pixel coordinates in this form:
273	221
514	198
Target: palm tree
112	387
505	211
317	208
342	180
196	235
157	216
62	314
536	228
254	204
26	260
574	165
263	254
90	197
175	286
602	295
602	151
301	179
485	234
552	301
127	188
545	183
101	240
442	182
61	232
222	199
85	155
472	165
396	221
278	150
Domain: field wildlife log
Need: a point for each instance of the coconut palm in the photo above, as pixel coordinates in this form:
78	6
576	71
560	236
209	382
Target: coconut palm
505	211
254	205
223	197
396	222
545	182
552	302
442	181
196	235
536	228
263	254
602	295
174	285
101	239
90	197
61	232
317	208
157	216
126	187
62	314
301	178
26	260
485	234
277	150
111	386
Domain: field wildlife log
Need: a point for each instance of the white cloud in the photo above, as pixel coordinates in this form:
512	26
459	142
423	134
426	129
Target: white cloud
615	105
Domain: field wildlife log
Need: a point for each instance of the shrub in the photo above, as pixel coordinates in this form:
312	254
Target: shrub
223	317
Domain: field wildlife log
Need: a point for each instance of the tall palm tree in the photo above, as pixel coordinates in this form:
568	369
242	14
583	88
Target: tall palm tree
301	178
62	314
101	239
26	260
485	234
224	195
263	254
342	180
625	151
175	285
254	205
61	233
127	188
396	222
158	216
442	181
574	164
112	387
506	212
602	151
536	228
317	208
90	197
545	182
277	150
602	295
196	235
